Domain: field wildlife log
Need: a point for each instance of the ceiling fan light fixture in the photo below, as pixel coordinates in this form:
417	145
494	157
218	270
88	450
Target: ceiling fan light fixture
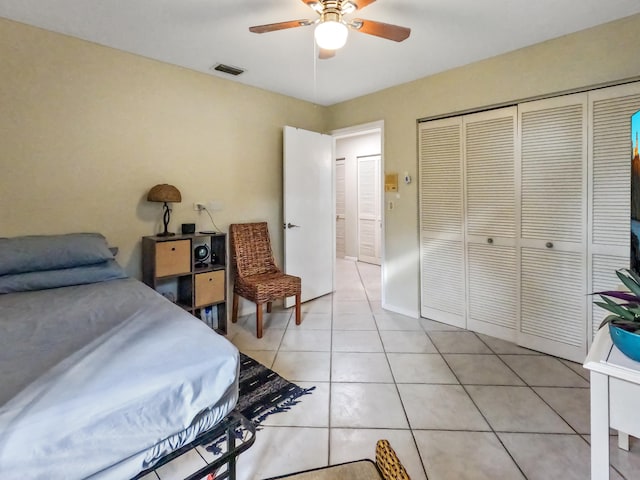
331	35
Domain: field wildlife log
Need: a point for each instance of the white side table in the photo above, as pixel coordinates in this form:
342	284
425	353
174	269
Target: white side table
615	394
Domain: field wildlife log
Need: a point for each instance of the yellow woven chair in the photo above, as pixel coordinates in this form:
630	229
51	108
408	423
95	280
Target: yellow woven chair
256	275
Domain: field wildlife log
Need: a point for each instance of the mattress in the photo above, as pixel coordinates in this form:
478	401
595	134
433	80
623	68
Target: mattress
101	380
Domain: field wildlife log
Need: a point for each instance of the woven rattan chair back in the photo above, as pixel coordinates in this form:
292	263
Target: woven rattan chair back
251	249
256	275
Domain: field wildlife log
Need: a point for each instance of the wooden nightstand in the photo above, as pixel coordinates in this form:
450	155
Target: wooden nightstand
169	266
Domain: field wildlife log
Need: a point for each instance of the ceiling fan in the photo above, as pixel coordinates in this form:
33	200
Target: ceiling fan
332	29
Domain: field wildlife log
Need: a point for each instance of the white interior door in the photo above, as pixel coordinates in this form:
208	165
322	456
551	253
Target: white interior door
340	209
369	212
309	238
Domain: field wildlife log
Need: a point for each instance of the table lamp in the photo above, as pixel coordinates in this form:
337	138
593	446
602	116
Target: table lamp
165	193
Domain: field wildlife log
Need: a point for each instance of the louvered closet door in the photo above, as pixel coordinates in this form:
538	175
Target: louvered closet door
441	221
492	266
369	214
610	110
553	165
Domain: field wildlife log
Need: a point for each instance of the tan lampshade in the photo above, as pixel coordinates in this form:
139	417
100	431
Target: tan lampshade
164	193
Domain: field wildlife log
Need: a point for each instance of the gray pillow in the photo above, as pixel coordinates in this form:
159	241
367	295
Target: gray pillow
24	282
52	252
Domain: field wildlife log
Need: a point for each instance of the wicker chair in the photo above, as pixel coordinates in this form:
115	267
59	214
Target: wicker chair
257	277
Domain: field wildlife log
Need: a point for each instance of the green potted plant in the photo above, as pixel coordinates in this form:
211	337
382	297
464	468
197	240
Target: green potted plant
624	321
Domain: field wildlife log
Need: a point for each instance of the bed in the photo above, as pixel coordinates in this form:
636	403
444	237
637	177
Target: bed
100	376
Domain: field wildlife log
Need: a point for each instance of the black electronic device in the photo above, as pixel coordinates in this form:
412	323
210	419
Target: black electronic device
188	228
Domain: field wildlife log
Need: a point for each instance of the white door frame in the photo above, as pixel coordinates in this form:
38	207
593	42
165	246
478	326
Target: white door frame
339	162
355	131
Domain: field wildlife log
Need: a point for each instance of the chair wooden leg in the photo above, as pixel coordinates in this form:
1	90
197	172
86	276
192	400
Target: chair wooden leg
234	309
268	307
258	320
298	319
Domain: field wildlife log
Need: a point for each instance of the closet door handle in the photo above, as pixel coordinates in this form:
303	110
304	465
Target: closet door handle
489	240
549	245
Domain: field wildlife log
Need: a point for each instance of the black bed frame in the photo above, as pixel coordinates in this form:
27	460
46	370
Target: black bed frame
227	428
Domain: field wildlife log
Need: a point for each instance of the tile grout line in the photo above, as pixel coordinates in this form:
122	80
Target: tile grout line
478	408
395	384
282	340
330	376
533	389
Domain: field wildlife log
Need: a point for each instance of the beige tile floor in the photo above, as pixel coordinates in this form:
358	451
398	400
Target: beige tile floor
454	404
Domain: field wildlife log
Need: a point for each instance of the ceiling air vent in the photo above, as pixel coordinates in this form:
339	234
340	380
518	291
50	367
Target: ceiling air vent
227	69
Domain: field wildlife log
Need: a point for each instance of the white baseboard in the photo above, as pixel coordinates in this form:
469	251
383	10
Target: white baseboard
352	259
402	311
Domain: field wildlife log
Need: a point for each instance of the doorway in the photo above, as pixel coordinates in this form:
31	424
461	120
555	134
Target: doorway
358	154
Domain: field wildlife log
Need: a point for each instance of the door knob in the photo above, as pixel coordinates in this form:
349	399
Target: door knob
291	225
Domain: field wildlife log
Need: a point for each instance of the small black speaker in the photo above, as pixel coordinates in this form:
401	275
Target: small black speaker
188	228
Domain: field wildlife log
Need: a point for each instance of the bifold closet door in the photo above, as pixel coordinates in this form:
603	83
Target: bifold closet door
369	209
491	234
610	110
553	165
441	221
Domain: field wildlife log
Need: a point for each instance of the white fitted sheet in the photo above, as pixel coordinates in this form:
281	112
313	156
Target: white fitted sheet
101	380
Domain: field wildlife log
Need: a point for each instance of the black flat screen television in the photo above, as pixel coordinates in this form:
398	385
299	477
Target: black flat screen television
635	193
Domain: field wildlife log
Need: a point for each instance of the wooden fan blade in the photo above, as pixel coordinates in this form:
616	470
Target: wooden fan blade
379	29
325	54
272	27
315	4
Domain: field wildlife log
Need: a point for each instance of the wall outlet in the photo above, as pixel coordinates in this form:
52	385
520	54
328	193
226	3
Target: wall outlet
198	206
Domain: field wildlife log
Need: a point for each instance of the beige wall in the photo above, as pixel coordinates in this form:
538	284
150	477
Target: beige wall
607	53
85	131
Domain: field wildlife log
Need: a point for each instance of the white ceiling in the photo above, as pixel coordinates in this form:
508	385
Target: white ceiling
198	34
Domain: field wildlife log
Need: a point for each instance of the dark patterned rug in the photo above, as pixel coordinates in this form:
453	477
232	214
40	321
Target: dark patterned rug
263	392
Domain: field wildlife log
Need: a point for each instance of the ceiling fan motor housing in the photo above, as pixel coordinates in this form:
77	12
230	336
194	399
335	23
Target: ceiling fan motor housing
332	11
